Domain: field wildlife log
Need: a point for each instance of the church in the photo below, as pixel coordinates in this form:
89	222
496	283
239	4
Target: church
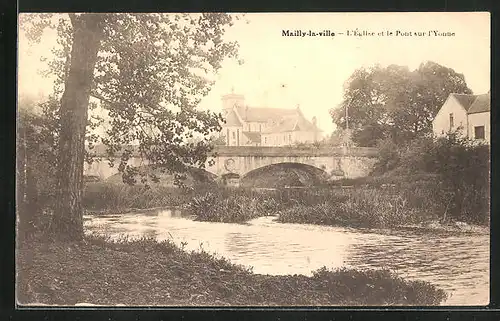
265	126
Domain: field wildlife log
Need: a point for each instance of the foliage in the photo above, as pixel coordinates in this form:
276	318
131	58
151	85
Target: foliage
461	166
219	140
159	67
232	209
243	204
395	102
144	272
36	154
388	156
117	198
360	208
149	72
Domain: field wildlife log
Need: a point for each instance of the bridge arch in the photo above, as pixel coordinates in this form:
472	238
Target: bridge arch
284	174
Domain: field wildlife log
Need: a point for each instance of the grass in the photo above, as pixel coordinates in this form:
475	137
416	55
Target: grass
243	204
362	208
116	198
145	272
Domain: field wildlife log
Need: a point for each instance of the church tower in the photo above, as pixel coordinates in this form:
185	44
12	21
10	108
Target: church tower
231	100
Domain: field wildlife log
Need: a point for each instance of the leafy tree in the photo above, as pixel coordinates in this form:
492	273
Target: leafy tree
395	102
36	154
149	72
219	140
461	166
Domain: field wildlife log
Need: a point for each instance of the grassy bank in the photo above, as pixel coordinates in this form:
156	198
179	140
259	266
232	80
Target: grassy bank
360	206
371	202
365	207
145	272
103	197
237	205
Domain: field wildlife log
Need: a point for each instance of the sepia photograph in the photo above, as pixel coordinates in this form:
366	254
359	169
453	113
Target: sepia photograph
253	159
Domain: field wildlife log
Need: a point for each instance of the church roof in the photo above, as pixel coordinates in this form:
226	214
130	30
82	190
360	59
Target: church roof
263	114
289	123
232	120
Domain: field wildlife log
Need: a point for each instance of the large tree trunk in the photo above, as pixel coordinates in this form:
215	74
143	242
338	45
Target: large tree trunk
67	223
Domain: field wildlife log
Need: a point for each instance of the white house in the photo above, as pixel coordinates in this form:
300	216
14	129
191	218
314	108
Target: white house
264	126
469	114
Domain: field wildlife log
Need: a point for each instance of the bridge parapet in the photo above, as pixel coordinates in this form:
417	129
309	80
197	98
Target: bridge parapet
288	151
271	151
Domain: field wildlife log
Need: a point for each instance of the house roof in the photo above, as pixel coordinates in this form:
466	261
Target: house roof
263	114
481	104
254	137
232	119
464	99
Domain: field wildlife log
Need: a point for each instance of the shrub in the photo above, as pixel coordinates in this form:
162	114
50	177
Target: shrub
460	185
388	156
364	208
373	285
35	170
232	209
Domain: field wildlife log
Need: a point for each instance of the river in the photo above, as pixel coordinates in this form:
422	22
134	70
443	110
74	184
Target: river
456	262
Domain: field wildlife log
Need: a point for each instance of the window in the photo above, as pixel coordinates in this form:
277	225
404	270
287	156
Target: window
265	140
479	132
260	127
451	121
234	135
289	138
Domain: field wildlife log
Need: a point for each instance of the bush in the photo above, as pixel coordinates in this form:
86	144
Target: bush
388	156
241	204
362	208
461	169
35	171
374	286
232	209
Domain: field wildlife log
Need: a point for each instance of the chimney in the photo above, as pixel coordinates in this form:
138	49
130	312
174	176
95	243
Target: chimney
314	121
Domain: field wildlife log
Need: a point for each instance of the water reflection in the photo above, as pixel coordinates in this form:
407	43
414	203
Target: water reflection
458	264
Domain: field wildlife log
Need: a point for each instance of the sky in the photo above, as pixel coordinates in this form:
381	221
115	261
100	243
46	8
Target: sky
310	72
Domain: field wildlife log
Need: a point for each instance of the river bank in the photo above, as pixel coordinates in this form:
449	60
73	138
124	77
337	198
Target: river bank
146	272
412	206
425	227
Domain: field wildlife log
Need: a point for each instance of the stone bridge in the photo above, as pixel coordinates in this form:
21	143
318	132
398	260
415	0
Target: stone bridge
241	161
